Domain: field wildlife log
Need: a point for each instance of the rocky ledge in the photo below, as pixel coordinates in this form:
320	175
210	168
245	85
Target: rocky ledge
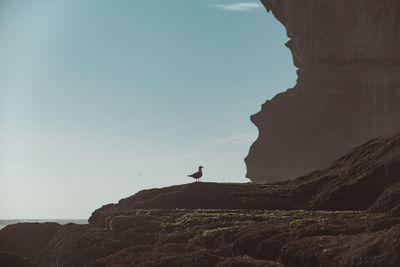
345	215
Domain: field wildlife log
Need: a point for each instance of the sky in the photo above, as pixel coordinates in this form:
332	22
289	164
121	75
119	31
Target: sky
100	99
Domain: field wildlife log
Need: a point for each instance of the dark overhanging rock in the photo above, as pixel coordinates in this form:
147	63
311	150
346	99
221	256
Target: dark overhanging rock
347	92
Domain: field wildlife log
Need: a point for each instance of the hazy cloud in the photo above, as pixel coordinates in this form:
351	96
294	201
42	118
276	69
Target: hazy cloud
237	139
244	6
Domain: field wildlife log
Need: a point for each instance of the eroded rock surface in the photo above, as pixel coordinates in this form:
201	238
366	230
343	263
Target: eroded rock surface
221	237
389	201
353	182
344	215
27	239
76	245
8	259
348	87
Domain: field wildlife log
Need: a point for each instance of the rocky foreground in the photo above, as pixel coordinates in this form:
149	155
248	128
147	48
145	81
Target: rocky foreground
345	215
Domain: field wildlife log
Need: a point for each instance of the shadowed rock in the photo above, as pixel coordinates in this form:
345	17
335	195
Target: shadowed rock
237	224
353	182
13	260
365	249
389	201
347	91
347	214
357	180
76	245
27	239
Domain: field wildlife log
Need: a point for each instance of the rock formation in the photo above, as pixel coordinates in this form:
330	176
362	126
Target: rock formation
348	88
347	214
344	215
13	260
27	239
355	181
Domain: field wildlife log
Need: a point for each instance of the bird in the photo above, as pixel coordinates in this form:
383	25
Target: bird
197	175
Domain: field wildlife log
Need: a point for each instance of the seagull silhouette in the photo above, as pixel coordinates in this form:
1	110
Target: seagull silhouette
197	175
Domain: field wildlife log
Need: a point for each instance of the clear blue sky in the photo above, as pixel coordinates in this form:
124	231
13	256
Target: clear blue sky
100	99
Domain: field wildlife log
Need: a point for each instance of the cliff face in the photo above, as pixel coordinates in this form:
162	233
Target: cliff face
348	88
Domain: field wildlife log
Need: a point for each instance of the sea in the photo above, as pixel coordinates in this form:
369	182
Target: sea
4	223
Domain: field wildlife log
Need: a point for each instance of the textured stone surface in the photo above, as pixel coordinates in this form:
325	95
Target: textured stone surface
211	224
348	88
389	201
353	182
75	245
13	260
314	220
211	237
27	239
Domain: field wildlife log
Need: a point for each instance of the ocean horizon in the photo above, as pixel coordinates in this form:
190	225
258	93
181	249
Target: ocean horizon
4	222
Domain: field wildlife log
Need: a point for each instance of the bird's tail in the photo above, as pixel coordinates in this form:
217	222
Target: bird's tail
189	176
